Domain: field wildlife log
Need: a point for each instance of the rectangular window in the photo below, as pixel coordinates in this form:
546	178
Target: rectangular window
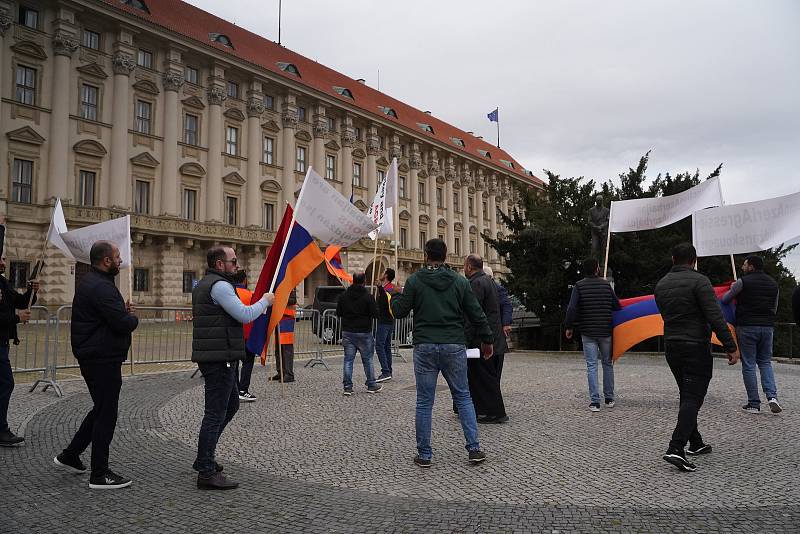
471	202
381	141
269	151
91	39
19	274
232	140
358	133
233	89
301	113
421	192
144	58
26	85
89	94
441	236
331	124
29	17
141	197
300	163
472	246
485	210
143	115
330	167
191	74
269	216
22	181
401	186
86	182
190	204
381	176
456	205
141	279
356	175
485	251
439	197
231	209
188	281
269	101
403	151
190	129
457	246
423	237
403	238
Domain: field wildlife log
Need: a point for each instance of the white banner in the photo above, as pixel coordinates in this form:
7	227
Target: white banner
58	226
748	227
77	244
649	213
329	216
382	209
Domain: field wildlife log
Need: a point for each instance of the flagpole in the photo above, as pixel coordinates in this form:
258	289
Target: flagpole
498	126
41	256
608	240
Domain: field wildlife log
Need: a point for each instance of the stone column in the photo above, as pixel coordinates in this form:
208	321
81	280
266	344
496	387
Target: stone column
5	25
348	137
289	119
450	217
319	129
172	81
123	64
255	108
216	96
170	273
480	186
373	151
64	45
431	182
465	223
411	181
493	214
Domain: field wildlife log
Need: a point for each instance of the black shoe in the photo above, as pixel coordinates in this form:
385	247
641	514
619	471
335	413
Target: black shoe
703	448
109	480
217	481
383	378
73	465
749	408
9	439
774	405
610	403
376	388
288	379
246	396
493	419
678	459
477	457
422	462
276	378
217	466
347	391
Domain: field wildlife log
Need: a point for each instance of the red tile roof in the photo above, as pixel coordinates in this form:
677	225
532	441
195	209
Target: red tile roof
196	24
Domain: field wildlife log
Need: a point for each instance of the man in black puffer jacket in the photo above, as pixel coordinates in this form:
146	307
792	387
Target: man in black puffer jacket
101	329
590	306
690	310
356	308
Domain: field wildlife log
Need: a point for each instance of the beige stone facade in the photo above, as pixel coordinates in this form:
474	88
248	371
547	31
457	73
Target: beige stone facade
115	115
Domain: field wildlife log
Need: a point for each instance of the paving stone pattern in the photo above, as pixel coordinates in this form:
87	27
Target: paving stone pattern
311	460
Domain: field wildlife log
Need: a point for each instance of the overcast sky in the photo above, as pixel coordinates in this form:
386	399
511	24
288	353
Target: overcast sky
584	87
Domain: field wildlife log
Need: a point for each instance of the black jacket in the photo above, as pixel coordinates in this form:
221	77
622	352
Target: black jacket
688	305
756	304
590	306
216	336
486	292
357	308
10	301
101	326
384	315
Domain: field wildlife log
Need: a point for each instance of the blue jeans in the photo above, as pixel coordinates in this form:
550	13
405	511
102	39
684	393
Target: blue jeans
755	346
6	386
221	404
595	348
383	346
451	361
364	343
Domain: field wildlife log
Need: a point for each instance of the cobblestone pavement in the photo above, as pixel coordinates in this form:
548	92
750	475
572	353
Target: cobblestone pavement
311	460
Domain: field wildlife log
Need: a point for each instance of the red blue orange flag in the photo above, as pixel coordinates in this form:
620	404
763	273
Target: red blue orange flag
333	261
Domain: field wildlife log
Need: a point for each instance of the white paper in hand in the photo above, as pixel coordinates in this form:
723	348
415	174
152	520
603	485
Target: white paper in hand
473	353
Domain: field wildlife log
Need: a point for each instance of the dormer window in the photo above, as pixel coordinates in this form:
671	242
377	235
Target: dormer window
344	92
222	39
507	163
389	112
458	142
291	68
136	4
485	153
425	127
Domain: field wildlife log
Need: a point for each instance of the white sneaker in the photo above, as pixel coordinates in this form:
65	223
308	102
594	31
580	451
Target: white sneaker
594	407
246	396
774	406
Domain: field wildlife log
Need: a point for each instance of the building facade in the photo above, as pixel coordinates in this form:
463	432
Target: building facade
203	132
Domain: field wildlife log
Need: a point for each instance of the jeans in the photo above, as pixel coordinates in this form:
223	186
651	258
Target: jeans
595	348
383	346
755	346
692	366
221	404
247	370
364	343
6	386
451	361
104	381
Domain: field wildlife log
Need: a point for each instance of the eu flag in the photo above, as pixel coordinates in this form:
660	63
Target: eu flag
493	116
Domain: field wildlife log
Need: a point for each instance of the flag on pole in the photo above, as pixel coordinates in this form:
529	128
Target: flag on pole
76	244
384	203
494	115
333	261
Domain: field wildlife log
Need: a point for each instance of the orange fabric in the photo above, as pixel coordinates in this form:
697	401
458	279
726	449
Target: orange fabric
245	295
286	338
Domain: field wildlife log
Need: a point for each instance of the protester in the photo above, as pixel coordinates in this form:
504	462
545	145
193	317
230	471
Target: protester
101	327
356	308
688	305
246	296
484	382
284	342
590	306
506	317
756	295
440	299
385	326
217	347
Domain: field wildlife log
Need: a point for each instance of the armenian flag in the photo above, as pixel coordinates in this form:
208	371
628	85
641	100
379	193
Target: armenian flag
333	261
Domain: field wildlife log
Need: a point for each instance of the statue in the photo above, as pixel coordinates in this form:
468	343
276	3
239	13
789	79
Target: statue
598	223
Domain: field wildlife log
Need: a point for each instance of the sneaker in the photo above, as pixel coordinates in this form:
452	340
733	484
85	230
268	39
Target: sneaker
594	407
383	378
749	408
73	465
422	462
678	459
610	403
9	439
477	456
374	388
246	396
109	480
347	391
774	406
217	481
492	419
703	448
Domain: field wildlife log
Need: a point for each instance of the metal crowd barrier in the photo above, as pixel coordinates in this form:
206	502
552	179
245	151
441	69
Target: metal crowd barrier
34	337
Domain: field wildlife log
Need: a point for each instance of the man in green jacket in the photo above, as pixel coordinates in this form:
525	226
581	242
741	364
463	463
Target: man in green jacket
440	299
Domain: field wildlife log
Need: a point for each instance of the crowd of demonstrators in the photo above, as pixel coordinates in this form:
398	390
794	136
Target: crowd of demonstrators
356	309
217	348
284	342
101	328
590	306
440	300
385	324
691	311
756	295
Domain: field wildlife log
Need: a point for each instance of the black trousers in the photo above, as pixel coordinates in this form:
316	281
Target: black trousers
692	366
484	386
104	381
221	380
247	370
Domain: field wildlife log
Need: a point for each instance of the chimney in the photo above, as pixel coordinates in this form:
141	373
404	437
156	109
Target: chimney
362	81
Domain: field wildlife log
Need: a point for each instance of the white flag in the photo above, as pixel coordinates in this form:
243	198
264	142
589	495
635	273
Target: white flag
385	200
648	213
327	215
80	241
748	227
58	226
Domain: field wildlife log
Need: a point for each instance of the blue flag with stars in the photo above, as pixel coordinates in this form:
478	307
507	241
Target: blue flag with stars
493	115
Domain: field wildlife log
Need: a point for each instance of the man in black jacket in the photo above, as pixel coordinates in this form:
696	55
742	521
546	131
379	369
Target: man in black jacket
484	380
101	327
590	306
688	305
756	295
356	308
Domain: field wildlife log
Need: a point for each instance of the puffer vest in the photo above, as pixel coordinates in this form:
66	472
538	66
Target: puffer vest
216	336
755	304
594	311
